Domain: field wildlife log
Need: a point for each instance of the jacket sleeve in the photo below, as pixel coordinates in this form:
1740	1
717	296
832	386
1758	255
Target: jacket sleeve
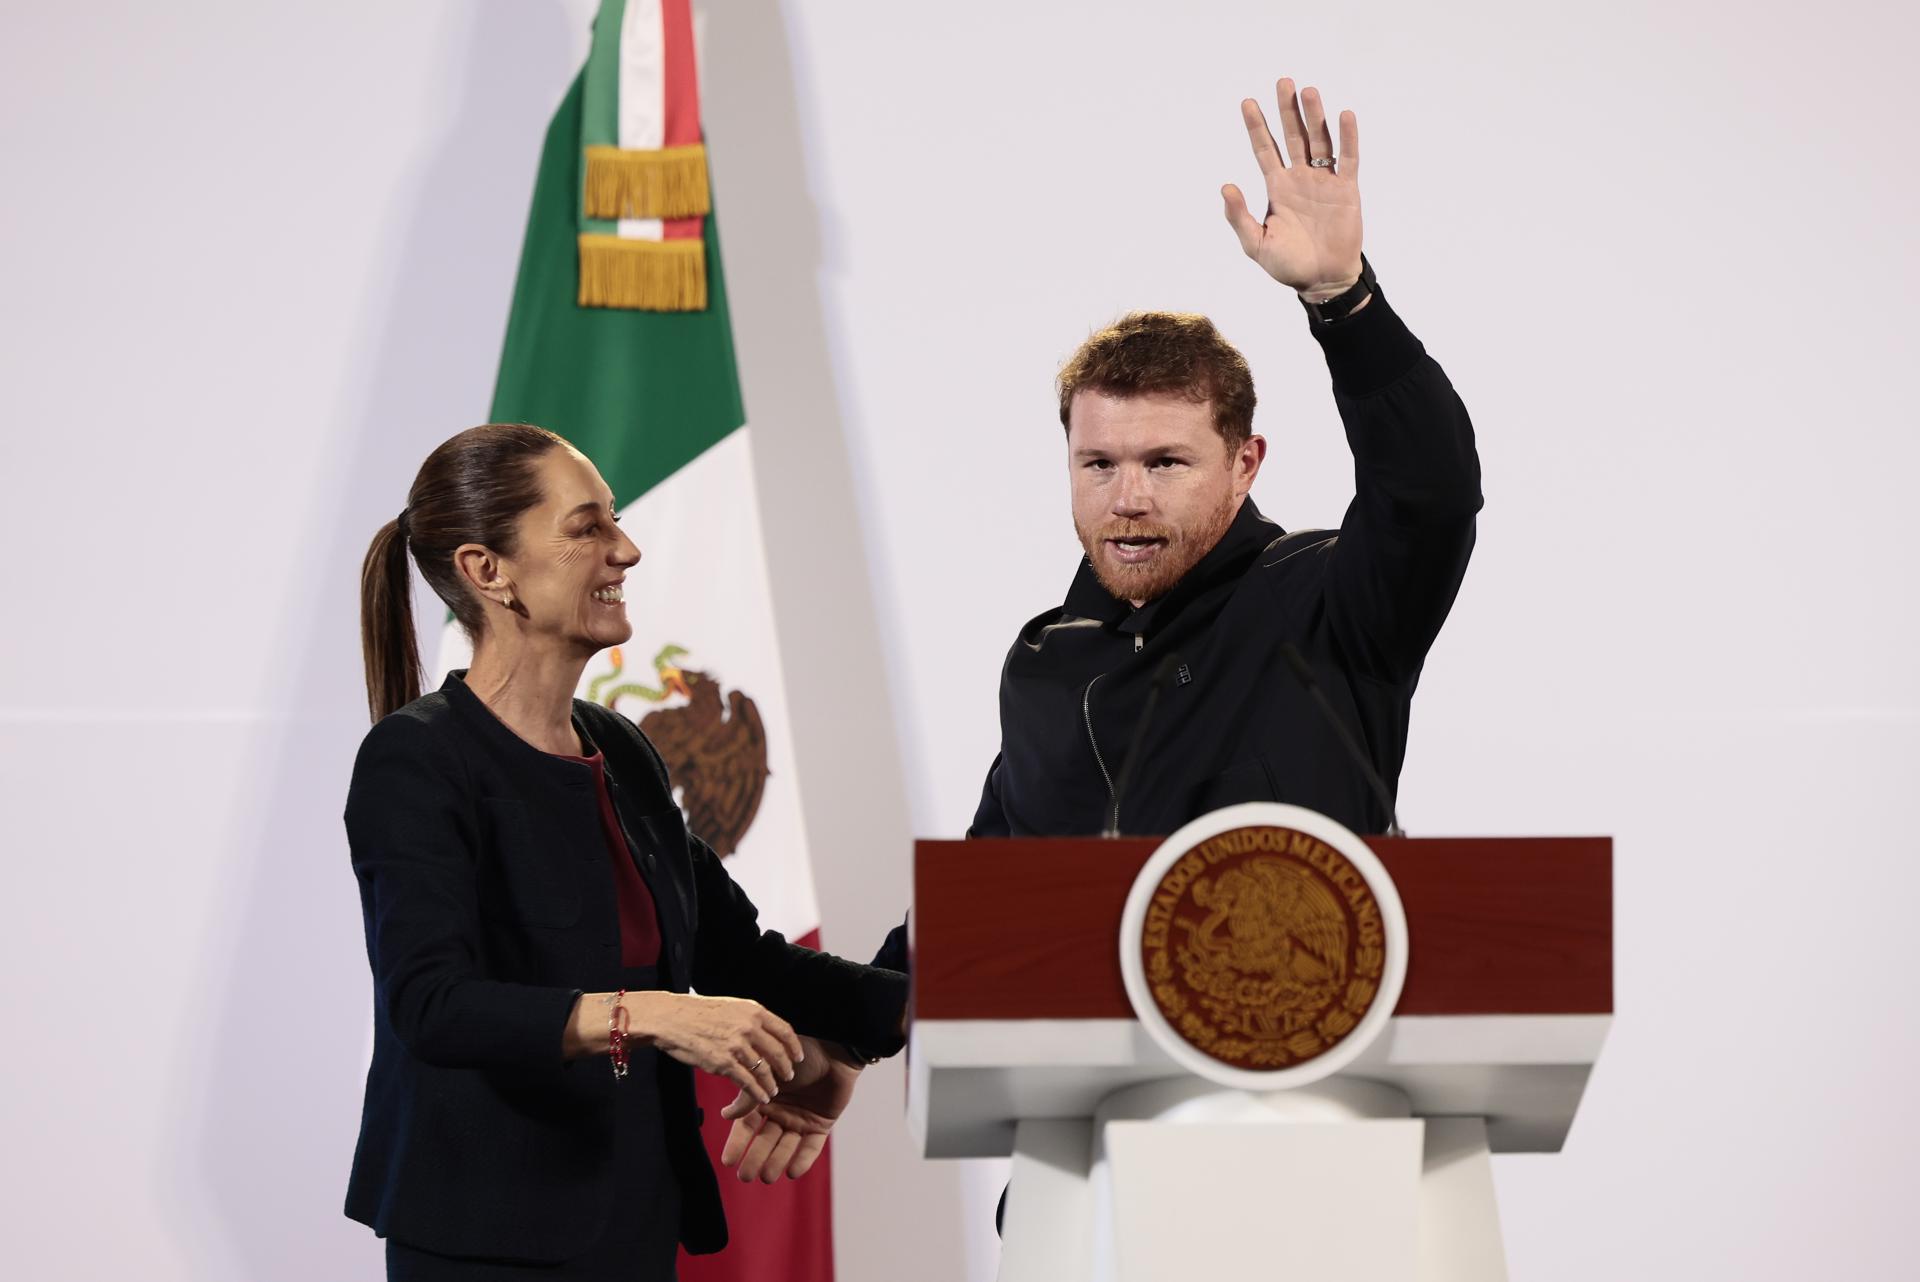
1403	547
411	832
893	953
819	994
990	819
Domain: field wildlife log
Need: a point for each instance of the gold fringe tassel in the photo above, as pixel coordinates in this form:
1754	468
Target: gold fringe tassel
668	183
643	275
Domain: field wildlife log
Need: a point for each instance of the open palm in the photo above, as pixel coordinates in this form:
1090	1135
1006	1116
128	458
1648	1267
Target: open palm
1309	238
787	1135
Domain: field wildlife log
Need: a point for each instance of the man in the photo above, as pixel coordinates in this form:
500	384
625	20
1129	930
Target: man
1158	412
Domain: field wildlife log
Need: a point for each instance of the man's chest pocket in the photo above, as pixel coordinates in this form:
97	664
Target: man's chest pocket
527	873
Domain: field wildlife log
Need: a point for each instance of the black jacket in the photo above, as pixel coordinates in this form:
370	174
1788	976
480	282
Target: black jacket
489	908
1362	604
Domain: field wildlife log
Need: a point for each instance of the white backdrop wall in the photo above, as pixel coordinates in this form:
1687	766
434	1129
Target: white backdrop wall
257	260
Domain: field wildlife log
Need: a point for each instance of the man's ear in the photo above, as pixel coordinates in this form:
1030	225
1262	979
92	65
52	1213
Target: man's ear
1246	464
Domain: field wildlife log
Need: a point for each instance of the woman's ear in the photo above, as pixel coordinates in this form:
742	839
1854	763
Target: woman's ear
484	573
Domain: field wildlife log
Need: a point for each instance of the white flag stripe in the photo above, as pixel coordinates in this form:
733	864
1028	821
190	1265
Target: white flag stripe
643	98
702	584
643	77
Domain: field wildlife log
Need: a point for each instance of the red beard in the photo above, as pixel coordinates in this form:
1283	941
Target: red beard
1180	550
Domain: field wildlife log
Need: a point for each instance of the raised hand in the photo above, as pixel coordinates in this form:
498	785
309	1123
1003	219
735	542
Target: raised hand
1310	236
787	1136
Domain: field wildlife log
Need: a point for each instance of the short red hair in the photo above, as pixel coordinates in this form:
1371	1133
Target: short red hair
1178	352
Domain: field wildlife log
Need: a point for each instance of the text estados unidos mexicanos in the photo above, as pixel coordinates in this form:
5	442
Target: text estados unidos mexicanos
1319	856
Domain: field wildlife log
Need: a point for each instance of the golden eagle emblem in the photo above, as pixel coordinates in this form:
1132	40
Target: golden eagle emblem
715	747
1263	947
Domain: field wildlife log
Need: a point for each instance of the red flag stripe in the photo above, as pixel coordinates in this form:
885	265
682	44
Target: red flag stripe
682	79
682	98
779	1231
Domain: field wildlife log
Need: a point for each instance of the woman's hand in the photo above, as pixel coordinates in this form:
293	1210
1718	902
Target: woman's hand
729	1037
787	1136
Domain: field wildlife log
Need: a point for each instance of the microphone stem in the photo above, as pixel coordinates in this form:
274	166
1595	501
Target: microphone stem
1304	672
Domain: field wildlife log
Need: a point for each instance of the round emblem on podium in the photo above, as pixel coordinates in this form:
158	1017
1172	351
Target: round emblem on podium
1263	946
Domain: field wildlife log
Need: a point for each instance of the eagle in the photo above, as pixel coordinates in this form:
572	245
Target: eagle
718	759
715	747
1279	921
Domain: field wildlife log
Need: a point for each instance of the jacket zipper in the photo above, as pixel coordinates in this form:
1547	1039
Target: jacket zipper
1086	713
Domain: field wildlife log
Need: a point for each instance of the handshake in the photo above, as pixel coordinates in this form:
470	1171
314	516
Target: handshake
792	1088
784	1135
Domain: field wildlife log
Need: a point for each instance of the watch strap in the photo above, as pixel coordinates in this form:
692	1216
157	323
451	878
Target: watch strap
1341	307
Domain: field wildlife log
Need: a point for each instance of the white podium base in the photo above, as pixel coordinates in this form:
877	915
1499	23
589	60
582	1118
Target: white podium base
1334	1182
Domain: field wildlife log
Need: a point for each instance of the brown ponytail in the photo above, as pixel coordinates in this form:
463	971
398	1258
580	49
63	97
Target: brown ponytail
387	643
472	489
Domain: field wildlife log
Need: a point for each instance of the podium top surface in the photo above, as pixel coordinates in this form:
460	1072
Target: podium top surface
1026	928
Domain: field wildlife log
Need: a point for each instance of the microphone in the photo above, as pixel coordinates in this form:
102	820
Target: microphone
1167	667
1381	792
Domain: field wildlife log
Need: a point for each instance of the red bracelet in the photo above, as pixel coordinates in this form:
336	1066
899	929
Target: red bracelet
617	1036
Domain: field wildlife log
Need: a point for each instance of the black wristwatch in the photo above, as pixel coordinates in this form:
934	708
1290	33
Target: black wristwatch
1338	309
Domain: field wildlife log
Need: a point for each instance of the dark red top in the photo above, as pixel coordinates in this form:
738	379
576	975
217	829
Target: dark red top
639	922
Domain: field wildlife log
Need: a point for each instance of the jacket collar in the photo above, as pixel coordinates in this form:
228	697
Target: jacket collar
1226	560
479	719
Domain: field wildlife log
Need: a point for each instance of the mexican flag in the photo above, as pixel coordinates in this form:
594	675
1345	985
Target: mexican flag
619	341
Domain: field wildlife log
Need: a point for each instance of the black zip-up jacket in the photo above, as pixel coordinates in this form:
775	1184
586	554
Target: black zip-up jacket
489	907
1362	604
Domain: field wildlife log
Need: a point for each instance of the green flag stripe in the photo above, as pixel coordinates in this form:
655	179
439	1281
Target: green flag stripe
640	393
600	112
600	121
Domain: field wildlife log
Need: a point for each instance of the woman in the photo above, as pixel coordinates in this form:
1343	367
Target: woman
536	912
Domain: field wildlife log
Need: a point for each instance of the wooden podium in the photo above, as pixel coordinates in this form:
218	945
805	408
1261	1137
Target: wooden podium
1024	1042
